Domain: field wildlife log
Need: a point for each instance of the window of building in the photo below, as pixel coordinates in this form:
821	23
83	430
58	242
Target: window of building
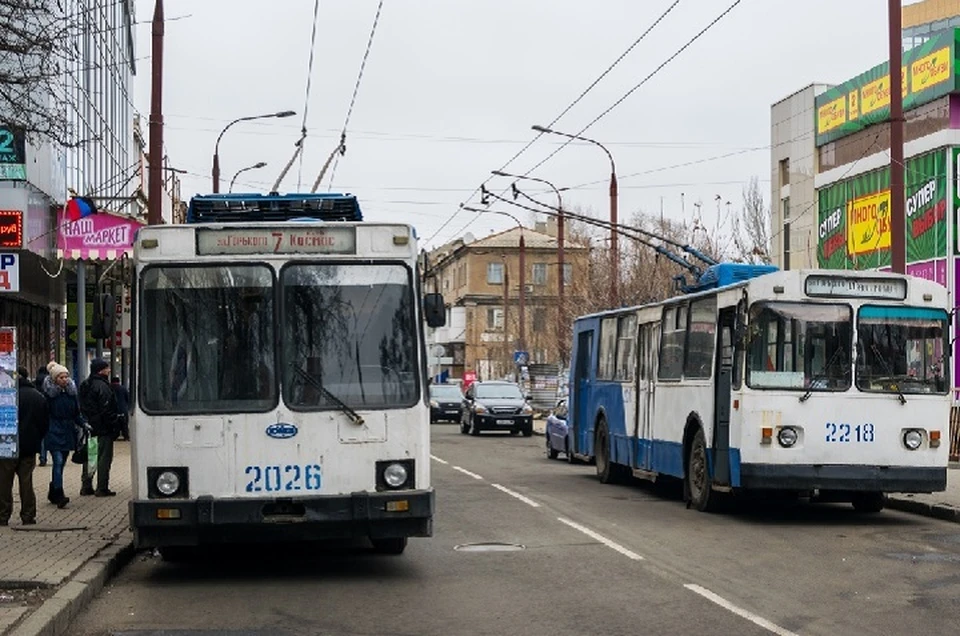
539	320
784	172
785	207
567	273
495	273
539	273
626	347
494	318
786	245
607	360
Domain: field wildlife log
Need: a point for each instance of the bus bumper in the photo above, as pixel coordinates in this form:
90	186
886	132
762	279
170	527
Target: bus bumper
208	521
846	478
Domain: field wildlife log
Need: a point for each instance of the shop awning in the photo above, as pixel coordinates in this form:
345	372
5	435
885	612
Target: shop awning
101	236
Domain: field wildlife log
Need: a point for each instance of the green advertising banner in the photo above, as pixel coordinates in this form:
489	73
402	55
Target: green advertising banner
854	216
929	72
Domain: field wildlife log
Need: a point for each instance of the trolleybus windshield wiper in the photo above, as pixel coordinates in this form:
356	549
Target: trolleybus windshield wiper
823	375
315	383
895	383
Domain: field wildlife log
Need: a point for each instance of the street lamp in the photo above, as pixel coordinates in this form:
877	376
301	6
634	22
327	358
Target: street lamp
614	252
256	166
560	244
216	148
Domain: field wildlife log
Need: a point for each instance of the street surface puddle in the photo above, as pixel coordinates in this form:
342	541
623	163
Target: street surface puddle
489	547
926	557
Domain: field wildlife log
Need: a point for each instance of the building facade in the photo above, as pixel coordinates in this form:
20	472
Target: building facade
480	282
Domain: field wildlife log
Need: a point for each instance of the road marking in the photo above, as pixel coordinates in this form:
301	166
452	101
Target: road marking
602	539
750	616
467	472
438	460
516	495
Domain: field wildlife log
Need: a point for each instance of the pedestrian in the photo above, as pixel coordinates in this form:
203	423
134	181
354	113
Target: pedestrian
38	384
32	423
99	406
65	420
123	406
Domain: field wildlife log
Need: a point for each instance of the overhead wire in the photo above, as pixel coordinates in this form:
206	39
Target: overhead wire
560	116
356	90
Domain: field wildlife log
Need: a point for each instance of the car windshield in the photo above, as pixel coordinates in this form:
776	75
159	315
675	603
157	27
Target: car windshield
207	339
800	346
445	392
351	328
499	391
901	349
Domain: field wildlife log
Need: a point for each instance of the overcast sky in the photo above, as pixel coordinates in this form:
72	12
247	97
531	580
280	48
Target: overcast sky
451	88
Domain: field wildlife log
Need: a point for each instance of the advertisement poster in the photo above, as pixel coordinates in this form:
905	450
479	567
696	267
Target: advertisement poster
8	393
854	216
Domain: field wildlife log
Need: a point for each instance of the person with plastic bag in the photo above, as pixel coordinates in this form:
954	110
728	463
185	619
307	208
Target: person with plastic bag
99	406
32	423
65	418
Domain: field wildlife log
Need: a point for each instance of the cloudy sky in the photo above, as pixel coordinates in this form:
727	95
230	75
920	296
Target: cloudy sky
452	87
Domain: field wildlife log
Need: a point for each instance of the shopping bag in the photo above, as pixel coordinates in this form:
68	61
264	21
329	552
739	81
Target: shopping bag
92	449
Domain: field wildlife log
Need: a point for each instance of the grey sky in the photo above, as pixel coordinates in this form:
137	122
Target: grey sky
452	87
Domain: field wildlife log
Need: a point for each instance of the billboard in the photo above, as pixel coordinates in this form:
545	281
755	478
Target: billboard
928	71
853	224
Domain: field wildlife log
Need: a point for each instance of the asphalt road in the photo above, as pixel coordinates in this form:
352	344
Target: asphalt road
595	559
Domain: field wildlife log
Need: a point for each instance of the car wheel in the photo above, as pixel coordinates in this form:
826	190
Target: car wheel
528	431
474	429
389	545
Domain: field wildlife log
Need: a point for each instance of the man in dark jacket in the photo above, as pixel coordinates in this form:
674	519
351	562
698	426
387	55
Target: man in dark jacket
32	423
99	406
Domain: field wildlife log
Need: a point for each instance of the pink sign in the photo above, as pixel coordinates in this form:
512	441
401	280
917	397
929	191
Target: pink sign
929	270
98	236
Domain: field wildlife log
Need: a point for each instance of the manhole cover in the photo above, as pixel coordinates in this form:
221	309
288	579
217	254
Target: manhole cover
489	547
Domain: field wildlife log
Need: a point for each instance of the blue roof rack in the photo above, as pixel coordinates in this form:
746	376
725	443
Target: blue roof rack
724	274
273	207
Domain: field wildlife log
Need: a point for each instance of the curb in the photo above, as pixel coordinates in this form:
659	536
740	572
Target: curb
54	616
936	511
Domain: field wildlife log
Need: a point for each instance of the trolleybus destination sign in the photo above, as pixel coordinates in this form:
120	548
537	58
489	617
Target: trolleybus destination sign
327	240
848	287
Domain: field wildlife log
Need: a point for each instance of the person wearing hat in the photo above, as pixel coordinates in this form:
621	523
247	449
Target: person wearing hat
99	406
65	419
32	425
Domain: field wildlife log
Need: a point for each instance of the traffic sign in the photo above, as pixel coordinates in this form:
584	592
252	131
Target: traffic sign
521	357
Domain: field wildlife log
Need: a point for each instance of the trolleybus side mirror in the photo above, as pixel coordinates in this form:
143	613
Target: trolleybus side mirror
434	310
104	312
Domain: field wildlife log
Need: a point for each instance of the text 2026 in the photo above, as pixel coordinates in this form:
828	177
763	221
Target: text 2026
292	477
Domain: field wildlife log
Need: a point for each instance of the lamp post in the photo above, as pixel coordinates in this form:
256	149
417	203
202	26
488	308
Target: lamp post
216	148
614	249
560	259
256	166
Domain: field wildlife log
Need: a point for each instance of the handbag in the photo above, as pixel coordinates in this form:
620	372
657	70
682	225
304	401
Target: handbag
81	453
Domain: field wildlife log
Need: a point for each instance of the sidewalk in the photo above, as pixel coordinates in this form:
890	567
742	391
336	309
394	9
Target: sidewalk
49	570
941	505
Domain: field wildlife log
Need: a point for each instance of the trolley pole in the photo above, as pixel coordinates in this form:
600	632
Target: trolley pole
155	172
898	223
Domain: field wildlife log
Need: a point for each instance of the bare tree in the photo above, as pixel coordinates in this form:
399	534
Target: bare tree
33	45
751	231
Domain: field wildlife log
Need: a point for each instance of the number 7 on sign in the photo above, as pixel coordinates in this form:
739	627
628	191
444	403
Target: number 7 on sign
279	237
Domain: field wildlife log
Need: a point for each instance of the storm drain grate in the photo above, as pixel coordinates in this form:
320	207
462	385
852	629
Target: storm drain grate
493	546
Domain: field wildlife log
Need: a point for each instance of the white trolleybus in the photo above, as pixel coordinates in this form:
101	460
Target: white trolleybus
826	384
280	377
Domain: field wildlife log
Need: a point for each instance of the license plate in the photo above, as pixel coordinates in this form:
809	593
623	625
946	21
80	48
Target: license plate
505	422
285	478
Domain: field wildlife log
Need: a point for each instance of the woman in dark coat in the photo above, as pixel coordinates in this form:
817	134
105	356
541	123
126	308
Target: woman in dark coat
65	418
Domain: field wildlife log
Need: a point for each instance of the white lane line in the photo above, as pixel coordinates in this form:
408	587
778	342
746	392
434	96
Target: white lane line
516	495
750	616
438	460
602	539
467	472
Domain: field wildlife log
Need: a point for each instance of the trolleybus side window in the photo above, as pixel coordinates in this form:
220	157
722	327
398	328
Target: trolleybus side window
671	342
902	348
349	336
626	347
799	346
208	339
701	336
607	360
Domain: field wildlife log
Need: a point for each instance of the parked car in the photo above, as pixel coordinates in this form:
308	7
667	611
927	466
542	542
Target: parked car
446	403
557	433
496	406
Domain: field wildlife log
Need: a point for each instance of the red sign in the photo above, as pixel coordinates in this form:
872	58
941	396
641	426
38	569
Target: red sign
469	377
11	229
6	341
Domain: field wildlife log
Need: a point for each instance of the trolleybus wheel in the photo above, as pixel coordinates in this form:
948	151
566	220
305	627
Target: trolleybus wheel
701	494
868	502
389	545
606	471
177	553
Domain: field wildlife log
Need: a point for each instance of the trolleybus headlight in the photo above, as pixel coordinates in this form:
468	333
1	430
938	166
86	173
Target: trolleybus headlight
395	475
912	439
787	436
168	482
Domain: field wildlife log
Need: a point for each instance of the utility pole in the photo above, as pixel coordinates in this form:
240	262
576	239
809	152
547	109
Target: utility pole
898	223
614	242
523	293
155	172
